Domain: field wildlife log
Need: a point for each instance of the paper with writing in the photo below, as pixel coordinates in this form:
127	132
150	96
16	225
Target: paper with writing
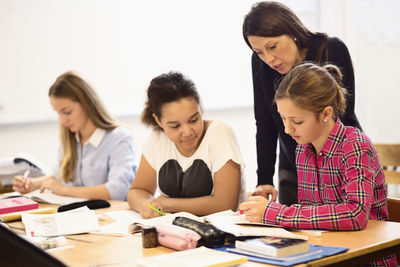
81	220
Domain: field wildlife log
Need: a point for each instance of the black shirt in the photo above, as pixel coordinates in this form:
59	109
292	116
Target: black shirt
268	121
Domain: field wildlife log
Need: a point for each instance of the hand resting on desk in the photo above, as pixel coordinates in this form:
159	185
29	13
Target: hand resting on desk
254	208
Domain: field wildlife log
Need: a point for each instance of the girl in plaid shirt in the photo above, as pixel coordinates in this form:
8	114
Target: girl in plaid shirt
341	184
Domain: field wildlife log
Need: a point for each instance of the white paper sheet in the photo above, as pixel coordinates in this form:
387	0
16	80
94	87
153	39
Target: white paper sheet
76	221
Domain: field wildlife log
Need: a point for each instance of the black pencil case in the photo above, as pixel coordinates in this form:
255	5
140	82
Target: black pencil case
91	204
210	236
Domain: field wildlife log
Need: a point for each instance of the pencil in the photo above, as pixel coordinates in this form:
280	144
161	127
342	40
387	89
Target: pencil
26	174
155	209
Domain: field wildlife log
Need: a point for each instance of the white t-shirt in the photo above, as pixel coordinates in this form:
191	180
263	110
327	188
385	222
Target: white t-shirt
184	177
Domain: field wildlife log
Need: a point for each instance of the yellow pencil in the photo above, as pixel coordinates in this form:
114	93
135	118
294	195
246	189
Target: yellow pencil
155	209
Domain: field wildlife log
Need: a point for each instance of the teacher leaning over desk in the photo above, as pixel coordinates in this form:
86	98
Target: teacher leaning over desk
280	41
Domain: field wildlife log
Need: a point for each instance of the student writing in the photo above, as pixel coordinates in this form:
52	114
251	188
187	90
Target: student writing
341	181
280	41
97	157
195	163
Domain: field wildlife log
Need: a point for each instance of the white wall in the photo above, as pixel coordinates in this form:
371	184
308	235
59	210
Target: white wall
119	45
371	32
375	36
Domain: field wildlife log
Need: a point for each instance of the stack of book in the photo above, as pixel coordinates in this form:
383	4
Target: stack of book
272	246
11	209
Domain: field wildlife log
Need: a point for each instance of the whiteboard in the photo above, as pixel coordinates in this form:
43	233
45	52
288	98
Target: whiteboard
118	46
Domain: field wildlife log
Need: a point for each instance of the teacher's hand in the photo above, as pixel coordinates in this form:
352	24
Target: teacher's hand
266	190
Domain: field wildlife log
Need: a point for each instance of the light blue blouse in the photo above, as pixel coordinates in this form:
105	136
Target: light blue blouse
107	158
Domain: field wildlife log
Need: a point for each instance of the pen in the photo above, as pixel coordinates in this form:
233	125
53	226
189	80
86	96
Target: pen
155	209
26	173
239	212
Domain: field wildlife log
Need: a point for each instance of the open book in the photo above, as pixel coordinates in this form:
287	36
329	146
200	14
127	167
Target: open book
236	224
47	197
125	218
226	221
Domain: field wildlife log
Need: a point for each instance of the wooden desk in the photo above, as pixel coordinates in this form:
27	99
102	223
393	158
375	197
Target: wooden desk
379	239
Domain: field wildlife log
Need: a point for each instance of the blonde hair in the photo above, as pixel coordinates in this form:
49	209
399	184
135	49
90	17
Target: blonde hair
70	86
313	88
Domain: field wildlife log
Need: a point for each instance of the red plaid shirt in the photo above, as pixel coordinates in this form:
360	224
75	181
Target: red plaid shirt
341	188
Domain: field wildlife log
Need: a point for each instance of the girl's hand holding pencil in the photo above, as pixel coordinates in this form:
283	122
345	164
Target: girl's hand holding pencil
23	184
151	209
159	211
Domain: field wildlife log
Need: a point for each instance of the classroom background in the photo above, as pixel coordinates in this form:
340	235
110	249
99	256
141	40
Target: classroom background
120	45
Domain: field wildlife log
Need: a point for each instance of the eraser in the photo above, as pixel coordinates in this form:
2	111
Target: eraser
318	234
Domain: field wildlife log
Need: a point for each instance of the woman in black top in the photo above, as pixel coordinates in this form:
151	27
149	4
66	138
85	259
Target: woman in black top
280	41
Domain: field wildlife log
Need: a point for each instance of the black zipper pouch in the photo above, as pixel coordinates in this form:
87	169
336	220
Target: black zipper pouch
91	204
211	236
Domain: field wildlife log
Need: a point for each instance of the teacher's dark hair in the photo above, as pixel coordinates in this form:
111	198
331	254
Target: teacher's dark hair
272	19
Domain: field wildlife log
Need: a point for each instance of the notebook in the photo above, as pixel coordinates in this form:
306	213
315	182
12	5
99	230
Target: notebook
15	204
46	197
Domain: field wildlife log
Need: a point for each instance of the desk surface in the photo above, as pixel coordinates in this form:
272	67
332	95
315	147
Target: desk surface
377	240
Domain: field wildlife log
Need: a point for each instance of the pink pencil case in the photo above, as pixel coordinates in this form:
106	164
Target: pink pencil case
176	237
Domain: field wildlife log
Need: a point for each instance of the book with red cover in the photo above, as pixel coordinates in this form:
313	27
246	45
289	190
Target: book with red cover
14	204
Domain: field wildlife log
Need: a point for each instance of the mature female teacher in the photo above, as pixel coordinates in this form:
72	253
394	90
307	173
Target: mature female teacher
280	41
